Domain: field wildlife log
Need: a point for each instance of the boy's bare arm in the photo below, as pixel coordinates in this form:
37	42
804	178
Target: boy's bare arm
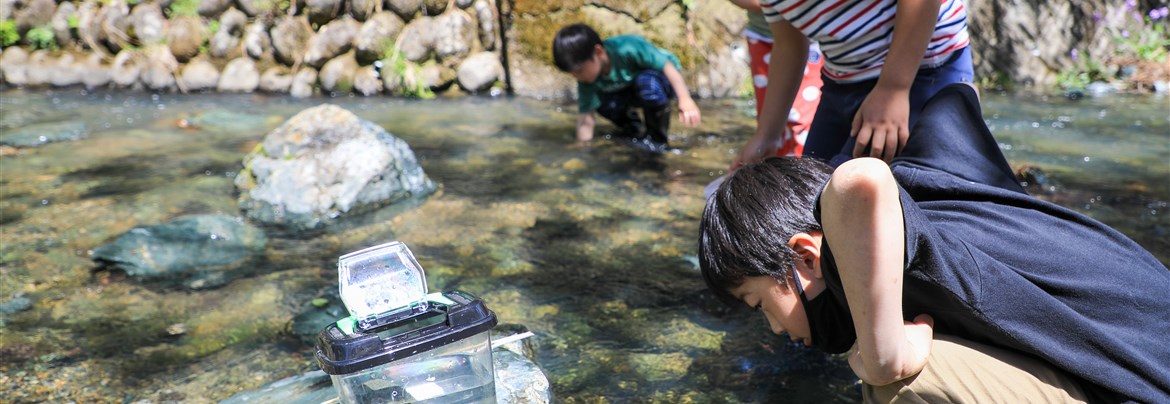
584	127
882	122
789	56
862	216
688	111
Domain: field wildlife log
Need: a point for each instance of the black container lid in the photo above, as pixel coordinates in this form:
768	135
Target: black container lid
340	353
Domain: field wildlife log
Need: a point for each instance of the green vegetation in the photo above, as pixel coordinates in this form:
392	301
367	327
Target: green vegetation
42	37
1142	39
183	7
406	73
1148	44
273	6
1079	77
8	34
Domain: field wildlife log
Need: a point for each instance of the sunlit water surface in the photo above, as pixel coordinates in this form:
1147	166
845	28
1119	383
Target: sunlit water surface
591	248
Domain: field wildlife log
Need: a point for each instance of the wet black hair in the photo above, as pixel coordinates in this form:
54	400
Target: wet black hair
573	46
749	219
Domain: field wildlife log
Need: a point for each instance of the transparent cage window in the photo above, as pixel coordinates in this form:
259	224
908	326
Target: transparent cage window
381	280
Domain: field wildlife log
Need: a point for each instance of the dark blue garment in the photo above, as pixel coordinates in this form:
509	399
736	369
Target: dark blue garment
829	138
651	91
994	265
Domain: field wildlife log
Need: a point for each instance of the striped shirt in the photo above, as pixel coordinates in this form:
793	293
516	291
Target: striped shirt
855	35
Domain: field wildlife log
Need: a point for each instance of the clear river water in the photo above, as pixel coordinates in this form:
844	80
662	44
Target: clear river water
591	248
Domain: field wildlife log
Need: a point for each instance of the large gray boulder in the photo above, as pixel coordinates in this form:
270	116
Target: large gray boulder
337	75
13	63
367	82
277	79
257	43
197	252
125	68
97	71
323	164
417	39
159	72
67	70
60	24
240	75
34	13
148	22
375	35
225	42
40	67
479	71
331	40
184	35
304	83
405	8
289	36
486	14
361	10
454	34
213	8
198	75
322	11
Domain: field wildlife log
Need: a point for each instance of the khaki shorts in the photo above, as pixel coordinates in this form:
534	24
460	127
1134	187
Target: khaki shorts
961	371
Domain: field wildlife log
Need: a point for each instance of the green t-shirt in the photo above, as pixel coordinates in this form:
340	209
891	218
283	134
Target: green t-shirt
628	56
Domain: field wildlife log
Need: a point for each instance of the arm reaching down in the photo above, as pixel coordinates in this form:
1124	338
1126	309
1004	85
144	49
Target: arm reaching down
789	56
882	121
862	219
688	111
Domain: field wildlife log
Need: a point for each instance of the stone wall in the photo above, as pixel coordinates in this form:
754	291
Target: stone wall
396	47
420	47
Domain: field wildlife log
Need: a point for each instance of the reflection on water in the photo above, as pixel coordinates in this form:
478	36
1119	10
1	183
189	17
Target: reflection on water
591	248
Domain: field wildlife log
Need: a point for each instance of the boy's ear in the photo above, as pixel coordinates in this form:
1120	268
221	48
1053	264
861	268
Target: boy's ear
808	252
598	50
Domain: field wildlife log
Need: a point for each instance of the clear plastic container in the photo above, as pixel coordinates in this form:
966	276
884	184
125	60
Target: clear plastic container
400	344
381	283
460	372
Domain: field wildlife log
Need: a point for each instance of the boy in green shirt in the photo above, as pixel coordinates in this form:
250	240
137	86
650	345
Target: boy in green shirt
619	74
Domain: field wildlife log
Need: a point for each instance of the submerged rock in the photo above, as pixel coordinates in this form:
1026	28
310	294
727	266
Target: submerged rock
199	251
44	133
324	163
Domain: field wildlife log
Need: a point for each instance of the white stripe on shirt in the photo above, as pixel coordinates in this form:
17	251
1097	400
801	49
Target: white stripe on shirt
855	35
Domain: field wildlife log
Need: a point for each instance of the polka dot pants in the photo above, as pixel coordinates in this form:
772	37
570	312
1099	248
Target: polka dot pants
803	107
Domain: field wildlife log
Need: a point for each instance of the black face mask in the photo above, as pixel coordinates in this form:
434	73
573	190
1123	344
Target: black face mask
829	320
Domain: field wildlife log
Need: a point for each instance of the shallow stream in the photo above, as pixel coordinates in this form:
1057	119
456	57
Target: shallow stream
591	248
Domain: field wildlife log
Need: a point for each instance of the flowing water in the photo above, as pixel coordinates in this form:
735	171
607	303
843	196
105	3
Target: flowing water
591	248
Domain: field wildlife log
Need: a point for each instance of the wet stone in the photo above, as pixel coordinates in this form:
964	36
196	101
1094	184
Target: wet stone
44	133
199	251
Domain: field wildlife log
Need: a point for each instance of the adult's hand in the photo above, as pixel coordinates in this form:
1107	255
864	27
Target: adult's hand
882	123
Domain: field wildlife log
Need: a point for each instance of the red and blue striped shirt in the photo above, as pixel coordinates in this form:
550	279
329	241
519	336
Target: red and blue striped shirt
855	35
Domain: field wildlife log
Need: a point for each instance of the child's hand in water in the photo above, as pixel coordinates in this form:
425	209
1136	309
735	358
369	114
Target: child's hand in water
581	145
688	112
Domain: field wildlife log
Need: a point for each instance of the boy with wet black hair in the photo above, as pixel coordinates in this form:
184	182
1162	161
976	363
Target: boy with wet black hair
945	280
618	74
